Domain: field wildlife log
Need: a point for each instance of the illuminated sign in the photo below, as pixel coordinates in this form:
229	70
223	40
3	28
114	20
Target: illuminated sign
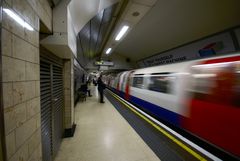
104	63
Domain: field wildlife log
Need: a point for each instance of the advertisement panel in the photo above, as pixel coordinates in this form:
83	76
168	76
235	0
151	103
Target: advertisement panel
215	45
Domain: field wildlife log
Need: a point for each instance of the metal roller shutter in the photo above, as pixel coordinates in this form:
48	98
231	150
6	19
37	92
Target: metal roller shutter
46	110
57	88
51	85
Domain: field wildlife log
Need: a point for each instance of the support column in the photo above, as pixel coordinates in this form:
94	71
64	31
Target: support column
69	119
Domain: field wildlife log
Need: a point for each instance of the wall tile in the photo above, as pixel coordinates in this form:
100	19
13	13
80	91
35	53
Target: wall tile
45	5
45	18
33	107
21	154
25	51
30	90
67	75
34	141
10	24
19	92
32	37
37	88
37	154
6	43
7	95
18	70
21	74
67	98
21	48
31	17
12	72
35	52
37	69
19	7
25	11
21	114
9	120
10	144
7	69
23	91
25	131
68	114
9	2
33	4
67	102
67	92
38	120
67	83
67	110
32	71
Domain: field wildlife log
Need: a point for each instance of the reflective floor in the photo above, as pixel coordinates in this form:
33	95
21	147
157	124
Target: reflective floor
102	134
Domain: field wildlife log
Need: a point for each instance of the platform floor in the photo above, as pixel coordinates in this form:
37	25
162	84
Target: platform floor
102	134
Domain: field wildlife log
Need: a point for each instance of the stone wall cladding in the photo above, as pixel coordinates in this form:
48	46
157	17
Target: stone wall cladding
21	78
67	94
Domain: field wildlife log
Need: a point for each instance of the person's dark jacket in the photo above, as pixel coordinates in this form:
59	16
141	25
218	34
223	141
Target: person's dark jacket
101	85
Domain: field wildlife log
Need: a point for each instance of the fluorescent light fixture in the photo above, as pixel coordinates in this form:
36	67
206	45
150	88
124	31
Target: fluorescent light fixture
18	19
108	50
122	32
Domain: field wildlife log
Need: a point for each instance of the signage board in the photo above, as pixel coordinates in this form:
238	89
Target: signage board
104	63
215	45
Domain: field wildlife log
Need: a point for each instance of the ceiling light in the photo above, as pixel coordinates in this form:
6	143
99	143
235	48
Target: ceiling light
108	50
18	19
122	32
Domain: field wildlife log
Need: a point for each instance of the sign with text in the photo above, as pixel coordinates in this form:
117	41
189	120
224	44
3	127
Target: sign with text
215	45
104	63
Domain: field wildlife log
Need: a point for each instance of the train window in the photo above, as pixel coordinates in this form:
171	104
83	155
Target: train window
137	82
160	84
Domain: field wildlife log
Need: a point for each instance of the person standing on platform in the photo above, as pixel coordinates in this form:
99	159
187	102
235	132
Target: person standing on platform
101	87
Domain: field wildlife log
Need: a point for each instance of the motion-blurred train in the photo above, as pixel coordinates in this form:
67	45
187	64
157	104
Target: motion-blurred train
201	97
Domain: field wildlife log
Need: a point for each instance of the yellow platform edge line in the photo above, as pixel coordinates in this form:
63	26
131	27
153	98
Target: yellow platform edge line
195	154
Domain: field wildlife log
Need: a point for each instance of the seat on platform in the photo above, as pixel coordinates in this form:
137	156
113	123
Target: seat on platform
82	95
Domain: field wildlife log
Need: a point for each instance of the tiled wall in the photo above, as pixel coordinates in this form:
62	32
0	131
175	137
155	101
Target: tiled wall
21	85
43	10
68	94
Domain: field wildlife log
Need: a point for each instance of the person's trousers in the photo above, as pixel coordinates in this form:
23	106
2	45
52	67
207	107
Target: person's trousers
89	92
101	95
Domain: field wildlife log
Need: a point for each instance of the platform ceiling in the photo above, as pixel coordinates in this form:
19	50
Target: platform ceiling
171	23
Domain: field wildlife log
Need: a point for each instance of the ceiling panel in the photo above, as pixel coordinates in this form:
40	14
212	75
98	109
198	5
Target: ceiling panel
171	23
91	36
